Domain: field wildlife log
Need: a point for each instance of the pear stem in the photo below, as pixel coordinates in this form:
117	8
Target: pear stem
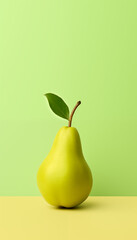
72	113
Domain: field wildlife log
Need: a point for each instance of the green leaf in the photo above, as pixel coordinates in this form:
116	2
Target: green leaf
57	105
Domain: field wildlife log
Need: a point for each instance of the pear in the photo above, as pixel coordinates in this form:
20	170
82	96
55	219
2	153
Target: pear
64	177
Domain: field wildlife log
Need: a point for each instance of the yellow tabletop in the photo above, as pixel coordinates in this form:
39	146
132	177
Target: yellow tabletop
30	218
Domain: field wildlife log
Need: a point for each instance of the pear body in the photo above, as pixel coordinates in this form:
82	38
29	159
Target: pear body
64	178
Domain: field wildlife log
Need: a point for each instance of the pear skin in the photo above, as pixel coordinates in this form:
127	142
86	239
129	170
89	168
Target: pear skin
64	177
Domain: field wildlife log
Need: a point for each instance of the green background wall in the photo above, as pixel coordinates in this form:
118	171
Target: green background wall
81	50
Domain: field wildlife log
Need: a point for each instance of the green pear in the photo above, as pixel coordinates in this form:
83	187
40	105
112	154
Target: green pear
64	177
